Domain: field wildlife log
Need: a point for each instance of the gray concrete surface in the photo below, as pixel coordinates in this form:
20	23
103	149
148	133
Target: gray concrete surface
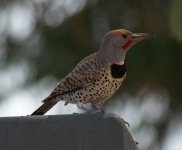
89	131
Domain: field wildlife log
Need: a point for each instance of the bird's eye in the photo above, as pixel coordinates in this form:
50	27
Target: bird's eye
124	36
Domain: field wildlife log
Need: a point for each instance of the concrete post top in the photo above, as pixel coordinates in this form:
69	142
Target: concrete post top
88	131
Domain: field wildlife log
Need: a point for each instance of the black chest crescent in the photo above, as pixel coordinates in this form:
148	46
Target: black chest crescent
118	71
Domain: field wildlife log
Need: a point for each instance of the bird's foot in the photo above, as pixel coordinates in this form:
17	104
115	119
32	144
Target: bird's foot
90	109
96	111
101	110
75	113
80	106
126	123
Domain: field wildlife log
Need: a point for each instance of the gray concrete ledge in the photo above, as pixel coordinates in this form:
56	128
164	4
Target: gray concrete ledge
93	131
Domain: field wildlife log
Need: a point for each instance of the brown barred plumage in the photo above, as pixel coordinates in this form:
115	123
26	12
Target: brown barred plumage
98	76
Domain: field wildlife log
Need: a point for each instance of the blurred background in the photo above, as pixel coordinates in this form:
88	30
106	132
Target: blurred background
42	40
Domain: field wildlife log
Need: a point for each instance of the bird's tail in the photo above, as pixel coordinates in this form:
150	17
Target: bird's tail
46	106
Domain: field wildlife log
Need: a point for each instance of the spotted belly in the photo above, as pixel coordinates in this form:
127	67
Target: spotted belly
100	90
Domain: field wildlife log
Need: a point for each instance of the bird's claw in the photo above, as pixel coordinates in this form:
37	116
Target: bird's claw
126	123
136	143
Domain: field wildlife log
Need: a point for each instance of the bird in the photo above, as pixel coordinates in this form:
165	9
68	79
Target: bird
96	77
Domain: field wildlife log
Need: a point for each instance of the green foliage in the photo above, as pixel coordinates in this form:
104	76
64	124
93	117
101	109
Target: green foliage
176	19
55	50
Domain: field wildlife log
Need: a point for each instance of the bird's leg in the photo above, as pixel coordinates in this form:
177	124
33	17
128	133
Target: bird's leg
80	106
96	107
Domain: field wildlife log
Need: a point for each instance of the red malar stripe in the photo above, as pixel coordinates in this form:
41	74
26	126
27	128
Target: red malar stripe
127	44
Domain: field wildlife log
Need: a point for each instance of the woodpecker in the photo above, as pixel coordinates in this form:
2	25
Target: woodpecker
98	76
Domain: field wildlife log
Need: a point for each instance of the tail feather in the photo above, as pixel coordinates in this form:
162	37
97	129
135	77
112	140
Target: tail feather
46	106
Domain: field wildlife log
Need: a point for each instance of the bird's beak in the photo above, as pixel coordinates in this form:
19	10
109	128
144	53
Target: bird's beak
140	36
135	38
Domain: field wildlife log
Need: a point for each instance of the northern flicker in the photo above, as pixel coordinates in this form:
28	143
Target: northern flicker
98	76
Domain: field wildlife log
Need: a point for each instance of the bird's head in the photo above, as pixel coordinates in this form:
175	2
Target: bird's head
116	43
